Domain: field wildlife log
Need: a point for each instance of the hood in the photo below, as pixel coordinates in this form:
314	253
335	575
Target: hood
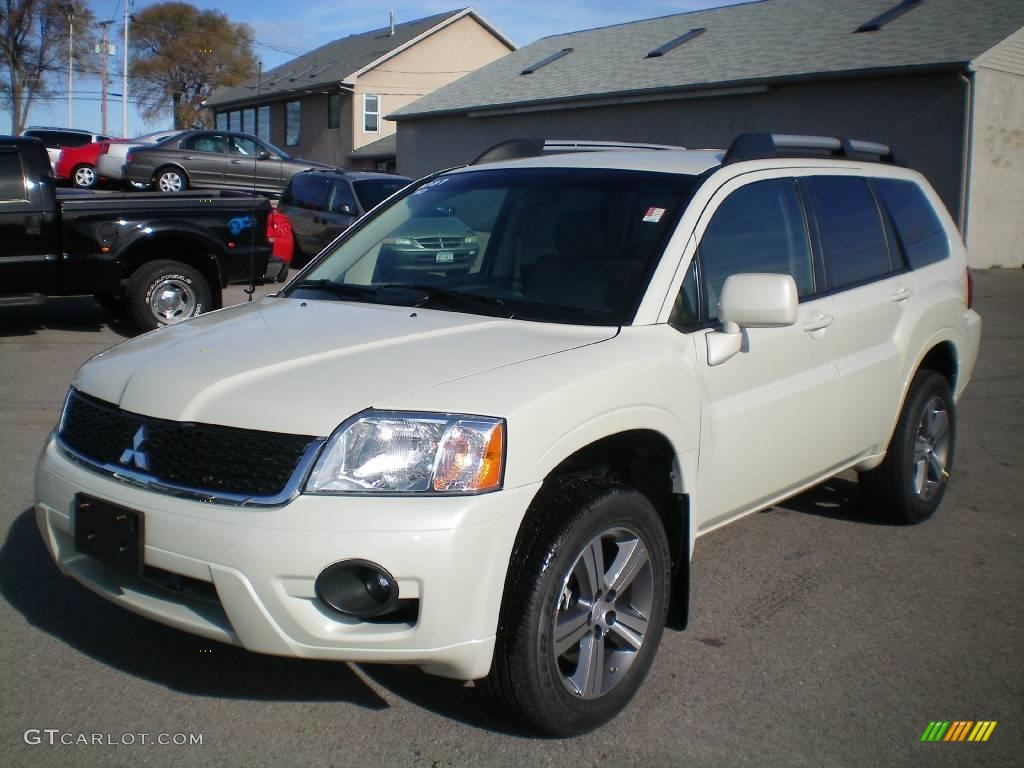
302	367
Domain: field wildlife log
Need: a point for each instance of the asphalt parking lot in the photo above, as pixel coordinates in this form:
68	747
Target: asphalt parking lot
818	636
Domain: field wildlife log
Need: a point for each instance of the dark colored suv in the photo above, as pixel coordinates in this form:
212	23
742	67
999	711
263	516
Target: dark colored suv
323	204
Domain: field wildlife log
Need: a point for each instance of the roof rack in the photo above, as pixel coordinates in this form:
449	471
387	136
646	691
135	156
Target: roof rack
519	148
762	146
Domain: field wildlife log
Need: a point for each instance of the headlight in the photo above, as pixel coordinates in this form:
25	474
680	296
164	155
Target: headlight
428	453
402	241
469	239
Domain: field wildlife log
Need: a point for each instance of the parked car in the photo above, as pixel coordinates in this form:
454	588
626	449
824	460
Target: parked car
159	260
213	160
112	155
500	475
323	203
55	139
78	165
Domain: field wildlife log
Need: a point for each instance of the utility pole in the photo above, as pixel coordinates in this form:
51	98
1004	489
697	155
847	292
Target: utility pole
105	50
69	11
124	76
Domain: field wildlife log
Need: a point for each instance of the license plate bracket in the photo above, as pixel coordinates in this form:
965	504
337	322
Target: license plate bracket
444	257
109	532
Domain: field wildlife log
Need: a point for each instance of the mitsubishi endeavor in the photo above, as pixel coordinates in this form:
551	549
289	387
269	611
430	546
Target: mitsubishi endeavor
499	468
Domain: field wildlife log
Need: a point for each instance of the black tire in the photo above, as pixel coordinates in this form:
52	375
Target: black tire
185	289
164	179
528	681
283	277
908	486
112	302
84	176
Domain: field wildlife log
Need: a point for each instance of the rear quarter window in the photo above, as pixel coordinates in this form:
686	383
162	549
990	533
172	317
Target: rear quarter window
920	233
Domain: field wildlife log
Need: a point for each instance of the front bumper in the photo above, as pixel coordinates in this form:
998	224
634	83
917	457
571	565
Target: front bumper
450	554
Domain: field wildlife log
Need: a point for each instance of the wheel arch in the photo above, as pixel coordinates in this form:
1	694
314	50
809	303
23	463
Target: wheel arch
645	460
179	244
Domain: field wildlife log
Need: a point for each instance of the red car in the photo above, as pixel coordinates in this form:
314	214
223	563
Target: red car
77	165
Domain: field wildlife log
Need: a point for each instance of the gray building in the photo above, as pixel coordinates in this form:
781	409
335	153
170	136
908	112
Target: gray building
942	80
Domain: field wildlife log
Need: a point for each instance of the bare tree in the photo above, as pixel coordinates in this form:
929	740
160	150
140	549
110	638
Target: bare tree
34	51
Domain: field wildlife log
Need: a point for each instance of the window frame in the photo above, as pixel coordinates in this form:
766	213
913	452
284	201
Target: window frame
298	120
375	113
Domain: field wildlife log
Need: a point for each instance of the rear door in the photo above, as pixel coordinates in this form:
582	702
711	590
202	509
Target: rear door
205	159
873	291
770	412
29	257
341	211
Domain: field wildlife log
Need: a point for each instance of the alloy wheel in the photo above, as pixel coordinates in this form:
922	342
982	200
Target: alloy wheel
931	450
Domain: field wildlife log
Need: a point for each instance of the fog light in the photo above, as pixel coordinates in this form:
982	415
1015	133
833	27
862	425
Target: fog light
357	588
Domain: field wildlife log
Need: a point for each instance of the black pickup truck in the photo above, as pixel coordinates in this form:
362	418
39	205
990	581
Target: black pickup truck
159	258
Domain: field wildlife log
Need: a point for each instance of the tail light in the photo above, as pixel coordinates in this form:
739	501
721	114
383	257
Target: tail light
104	147
969	289
279	235
128	157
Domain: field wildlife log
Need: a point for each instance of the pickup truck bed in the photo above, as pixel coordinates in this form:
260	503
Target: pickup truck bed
108	245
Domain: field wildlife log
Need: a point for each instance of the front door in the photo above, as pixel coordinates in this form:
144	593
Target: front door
29	258
769	413
245	169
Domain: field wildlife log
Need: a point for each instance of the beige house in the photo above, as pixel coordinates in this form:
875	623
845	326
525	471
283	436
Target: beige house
328	105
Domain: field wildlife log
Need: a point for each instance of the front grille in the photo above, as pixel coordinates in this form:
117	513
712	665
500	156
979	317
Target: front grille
202	457
440	242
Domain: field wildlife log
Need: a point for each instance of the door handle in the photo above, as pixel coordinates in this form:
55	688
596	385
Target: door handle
236	162
188	157
901	294
818	321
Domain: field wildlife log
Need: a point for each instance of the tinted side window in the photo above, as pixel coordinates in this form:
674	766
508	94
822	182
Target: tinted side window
759	228
342	196
852	239
918	228
309	191
12	179
204	143
73	139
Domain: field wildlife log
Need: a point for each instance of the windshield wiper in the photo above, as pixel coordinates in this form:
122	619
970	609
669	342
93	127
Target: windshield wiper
434	294
342	290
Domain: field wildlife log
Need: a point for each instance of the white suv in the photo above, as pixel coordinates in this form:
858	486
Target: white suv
521	390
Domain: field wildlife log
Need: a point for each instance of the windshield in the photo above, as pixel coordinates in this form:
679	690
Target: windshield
372	191
567	245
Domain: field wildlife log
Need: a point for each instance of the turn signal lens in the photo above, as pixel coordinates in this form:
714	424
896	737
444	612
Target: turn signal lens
470	457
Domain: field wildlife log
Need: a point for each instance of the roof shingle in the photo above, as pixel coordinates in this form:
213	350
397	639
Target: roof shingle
749	42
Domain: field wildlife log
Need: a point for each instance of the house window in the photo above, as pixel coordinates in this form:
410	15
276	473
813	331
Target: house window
334	110
263	123
371	113
249	120
222	121
292	123
235	121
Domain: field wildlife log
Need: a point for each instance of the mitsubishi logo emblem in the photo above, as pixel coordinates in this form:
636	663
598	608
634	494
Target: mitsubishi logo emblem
135	453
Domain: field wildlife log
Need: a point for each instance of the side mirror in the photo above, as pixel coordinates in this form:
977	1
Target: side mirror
751	301
345	209
263	155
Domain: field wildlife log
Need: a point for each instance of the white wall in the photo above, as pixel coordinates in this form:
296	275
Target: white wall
995	219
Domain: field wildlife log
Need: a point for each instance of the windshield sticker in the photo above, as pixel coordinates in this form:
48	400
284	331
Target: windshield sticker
432	184
654	214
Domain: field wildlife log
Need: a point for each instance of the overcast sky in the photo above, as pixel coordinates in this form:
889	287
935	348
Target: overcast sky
285	29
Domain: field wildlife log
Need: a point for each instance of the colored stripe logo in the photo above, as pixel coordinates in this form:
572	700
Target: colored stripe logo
958	730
